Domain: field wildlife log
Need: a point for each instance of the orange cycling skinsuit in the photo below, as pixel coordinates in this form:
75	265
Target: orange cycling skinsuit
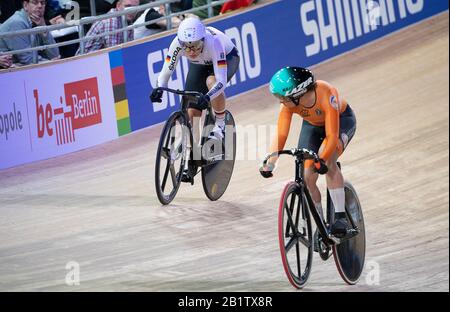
326	115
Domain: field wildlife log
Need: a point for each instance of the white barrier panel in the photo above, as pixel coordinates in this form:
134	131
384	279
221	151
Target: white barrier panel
54	110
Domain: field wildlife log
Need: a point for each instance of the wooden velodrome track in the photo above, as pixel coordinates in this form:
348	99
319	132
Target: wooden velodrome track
98	207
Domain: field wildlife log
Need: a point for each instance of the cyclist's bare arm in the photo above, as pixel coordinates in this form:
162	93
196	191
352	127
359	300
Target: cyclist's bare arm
283	127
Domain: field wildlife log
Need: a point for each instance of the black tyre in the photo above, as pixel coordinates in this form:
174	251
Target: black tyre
295	235
170	158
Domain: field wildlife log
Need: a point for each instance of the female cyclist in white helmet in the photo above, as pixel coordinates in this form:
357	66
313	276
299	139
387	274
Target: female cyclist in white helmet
213	61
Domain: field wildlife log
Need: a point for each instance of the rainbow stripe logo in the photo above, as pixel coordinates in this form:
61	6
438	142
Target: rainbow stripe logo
120	92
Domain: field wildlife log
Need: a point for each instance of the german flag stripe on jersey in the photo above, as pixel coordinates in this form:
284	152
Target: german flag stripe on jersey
168	58
222	63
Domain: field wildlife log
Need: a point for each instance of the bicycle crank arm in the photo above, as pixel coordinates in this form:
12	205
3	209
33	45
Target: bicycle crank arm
350	234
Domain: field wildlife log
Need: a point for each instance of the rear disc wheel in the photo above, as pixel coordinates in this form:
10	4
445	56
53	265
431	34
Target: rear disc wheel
349	255
217	175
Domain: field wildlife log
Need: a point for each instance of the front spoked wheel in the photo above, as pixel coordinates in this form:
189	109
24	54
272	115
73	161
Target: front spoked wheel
295	235
170	158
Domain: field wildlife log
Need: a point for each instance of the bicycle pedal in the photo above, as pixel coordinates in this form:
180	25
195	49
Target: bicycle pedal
351	233
186	177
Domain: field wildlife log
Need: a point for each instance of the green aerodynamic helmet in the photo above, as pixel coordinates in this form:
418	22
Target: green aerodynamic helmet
291	82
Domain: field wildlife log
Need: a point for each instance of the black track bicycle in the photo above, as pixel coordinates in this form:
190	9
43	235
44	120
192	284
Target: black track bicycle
178	152
295	231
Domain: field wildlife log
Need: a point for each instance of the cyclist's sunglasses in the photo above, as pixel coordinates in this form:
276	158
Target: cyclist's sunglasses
193	46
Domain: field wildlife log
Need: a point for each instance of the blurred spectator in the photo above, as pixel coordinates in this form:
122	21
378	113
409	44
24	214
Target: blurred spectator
204	13
175	20
57	12
152	14
5	61
52	9
30	16
8	8
108	25
183	5
101	7
147	30
235	4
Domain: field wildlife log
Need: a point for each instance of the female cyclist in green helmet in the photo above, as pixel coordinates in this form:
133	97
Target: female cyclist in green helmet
328	126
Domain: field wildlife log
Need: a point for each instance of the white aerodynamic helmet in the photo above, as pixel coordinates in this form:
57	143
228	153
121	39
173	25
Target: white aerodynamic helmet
191	30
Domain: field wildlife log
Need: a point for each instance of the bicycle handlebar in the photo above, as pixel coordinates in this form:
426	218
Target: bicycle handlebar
304	153
181	92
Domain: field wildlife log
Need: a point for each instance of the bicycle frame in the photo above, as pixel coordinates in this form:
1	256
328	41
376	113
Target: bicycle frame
209	118
215	168
300	157
300	180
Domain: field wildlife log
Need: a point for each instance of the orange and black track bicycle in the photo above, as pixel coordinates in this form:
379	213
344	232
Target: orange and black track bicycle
295	234
178	152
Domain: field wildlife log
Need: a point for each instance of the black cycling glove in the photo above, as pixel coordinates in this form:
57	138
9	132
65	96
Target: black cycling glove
156	95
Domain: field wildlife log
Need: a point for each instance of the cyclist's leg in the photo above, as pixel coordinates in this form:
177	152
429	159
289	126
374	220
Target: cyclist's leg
218	104
347	129
196	81
335	185
334	177
311	138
